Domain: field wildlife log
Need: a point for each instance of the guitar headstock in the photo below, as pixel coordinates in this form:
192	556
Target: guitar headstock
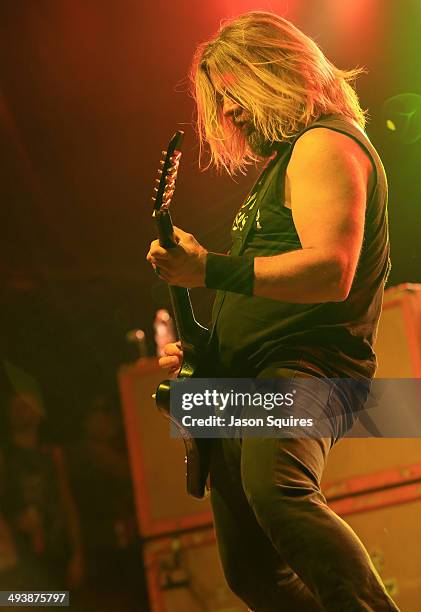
167	173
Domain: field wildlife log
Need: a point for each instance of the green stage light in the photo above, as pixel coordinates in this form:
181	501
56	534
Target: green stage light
402	116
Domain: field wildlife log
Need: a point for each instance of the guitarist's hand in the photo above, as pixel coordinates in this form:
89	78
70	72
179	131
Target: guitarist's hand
183	265
173	358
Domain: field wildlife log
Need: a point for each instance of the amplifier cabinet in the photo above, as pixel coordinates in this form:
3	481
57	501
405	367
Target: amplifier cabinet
392	536
384	510
183	570
398	343
398	349
156	458
184	574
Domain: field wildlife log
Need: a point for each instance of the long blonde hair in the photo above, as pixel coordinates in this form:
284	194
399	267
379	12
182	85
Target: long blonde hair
275	72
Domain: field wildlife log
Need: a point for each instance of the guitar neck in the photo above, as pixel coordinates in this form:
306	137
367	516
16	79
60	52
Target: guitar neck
189	330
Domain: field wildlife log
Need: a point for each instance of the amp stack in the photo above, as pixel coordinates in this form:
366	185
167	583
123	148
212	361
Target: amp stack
179	549
373	483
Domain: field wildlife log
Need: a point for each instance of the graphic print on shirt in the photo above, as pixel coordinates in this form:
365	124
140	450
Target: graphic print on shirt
244	212
258	226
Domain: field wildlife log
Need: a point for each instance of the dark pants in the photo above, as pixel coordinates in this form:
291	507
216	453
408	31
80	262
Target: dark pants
281	546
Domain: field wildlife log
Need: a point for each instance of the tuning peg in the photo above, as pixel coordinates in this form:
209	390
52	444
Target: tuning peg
156	189
163	152
157	180
153	199
159	171
162	162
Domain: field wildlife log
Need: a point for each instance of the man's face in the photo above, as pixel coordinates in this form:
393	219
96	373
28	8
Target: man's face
242	119
257	142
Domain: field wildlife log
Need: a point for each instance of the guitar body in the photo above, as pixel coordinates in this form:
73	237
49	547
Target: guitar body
193	336
197	449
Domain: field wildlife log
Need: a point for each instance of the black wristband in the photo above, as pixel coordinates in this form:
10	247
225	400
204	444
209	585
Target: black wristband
230	273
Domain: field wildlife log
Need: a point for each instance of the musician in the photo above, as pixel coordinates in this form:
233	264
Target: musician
299	295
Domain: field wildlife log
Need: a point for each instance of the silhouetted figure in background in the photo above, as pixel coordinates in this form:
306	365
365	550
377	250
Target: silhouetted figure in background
37	502
101	481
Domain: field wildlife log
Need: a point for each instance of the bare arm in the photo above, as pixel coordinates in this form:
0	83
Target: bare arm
328	176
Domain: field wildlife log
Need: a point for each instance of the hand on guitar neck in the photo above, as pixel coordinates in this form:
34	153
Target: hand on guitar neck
180	260
172	360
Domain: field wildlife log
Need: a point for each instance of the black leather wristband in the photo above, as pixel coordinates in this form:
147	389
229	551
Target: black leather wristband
230	273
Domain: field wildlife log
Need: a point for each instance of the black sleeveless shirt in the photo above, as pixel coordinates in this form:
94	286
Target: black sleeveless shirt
333	338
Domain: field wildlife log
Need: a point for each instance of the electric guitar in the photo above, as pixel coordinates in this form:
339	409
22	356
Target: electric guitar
193	336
